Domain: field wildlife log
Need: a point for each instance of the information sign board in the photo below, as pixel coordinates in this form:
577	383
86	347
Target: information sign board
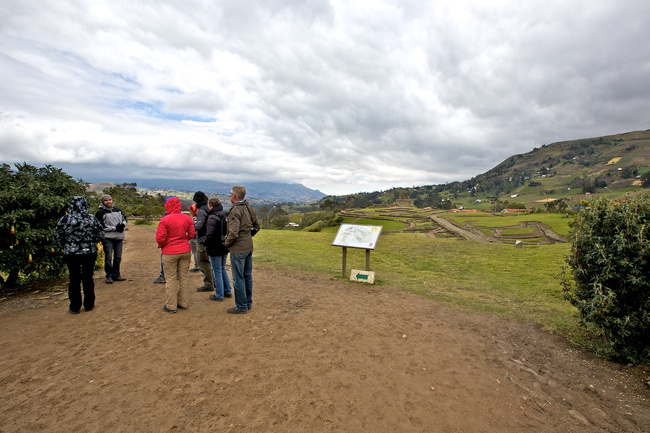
357	236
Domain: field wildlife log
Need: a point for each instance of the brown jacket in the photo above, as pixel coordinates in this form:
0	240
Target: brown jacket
240	219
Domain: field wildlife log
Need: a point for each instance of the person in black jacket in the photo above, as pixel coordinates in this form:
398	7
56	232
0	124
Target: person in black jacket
200	226
79	232
216	250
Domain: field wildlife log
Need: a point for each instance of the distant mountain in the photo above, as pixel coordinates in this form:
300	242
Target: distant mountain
270	192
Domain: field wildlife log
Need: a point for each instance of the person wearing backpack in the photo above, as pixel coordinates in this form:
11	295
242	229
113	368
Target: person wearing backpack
200	226
242	223
216	231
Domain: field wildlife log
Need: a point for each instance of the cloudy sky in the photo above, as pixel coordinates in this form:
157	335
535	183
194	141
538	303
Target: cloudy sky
342	95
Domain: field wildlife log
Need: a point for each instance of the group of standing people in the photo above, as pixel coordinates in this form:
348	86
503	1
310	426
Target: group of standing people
79	232
175	233
215	233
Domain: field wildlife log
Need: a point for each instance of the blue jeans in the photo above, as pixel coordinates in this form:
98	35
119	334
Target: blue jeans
242	278
112	256
221	280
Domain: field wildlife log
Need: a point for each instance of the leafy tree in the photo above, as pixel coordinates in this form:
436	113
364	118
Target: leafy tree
125	196
32	200
559	205
263	216
278	217
584	183
610	259
645	179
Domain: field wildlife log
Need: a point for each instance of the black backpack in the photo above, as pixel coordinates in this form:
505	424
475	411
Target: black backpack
224	228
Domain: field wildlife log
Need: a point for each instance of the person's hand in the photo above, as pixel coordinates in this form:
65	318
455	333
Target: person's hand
119	227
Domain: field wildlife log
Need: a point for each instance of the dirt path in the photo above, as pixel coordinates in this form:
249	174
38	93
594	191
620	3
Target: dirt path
313	355
464	234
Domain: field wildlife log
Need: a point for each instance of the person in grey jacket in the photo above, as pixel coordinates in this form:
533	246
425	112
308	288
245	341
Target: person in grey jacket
114	222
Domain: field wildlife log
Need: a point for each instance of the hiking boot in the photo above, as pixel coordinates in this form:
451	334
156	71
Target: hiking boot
214	298
235	311
119	278
181	308
167	310
109	280
203	289
160	280
227	295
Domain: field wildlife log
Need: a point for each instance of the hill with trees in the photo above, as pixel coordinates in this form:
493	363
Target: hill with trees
563	173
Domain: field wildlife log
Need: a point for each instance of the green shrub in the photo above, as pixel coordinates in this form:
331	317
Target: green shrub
610	260
31	202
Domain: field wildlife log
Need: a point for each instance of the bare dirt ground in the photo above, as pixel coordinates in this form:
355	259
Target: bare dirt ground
314	354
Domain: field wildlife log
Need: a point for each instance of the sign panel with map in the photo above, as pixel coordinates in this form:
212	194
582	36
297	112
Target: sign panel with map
357	236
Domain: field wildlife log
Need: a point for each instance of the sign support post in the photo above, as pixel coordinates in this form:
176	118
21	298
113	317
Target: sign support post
367	260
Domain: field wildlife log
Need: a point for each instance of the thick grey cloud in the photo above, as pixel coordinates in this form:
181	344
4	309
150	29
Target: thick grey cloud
342	96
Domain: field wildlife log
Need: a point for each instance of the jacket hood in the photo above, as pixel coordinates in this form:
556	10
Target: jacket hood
215	209
200	198
78	204
172	205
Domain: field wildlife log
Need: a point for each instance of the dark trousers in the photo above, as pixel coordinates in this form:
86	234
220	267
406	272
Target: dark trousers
81	267
112	256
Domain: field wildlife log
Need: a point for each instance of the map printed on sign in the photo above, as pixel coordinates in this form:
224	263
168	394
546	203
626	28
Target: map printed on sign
357	236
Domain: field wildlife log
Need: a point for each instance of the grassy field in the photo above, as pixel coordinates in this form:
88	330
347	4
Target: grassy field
557	222
488	277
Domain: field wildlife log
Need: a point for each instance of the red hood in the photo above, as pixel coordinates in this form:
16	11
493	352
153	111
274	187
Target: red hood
173	205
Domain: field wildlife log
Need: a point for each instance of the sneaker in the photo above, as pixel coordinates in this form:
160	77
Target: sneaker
109	280
214	298
119	278
167	310
227	295
235	311
181	308
195	270
160	280
203	289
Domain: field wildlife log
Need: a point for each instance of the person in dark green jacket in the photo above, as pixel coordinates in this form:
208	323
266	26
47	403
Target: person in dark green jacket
242	220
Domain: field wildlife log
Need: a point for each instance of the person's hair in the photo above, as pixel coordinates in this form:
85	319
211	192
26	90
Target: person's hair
214	201
104	197
239	190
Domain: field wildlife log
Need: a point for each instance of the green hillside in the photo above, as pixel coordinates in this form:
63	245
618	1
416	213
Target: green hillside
567	172
613	165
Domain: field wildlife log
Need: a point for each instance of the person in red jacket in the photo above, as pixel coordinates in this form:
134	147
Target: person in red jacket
173	237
